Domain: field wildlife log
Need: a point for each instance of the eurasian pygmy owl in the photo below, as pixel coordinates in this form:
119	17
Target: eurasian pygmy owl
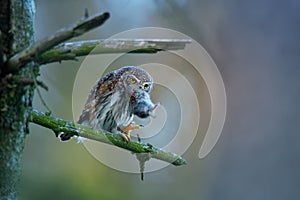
115	99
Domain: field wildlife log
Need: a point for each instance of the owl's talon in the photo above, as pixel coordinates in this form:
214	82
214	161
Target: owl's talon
125	137
125	132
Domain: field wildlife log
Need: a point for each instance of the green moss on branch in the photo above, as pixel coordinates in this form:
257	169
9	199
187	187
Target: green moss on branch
71	50
33	52
60	125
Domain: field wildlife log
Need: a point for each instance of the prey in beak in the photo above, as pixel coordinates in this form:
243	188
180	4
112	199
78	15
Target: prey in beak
143	107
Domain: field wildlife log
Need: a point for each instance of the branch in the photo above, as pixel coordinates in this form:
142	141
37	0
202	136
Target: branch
28	81
60	125
71	50
38	48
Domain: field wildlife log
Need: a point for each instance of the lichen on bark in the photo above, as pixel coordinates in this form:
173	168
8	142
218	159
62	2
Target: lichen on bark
16	19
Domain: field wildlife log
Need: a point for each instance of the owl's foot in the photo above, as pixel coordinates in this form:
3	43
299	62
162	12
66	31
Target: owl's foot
126	131
125	137
130	128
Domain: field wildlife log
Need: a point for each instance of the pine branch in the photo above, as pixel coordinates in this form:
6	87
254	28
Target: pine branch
60	125
38	48
71	50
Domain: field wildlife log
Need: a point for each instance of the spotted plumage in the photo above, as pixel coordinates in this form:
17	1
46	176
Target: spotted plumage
115	99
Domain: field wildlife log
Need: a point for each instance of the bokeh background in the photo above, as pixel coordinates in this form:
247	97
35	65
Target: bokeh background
256	47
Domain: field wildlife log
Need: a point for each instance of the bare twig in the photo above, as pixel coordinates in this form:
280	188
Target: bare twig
60	125
9	78
71	50
30	53
39	92
86	13
29	81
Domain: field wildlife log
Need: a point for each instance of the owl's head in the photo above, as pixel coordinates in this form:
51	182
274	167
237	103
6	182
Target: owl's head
135	79
137	83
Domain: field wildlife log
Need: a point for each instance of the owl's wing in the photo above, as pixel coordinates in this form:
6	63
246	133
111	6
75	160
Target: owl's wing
103	87
87	113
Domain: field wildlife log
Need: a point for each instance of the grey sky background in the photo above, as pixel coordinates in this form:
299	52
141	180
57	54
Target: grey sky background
256	47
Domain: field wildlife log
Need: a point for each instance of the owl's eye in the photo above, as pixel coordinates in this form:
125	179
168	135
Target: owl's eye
146	86
132	80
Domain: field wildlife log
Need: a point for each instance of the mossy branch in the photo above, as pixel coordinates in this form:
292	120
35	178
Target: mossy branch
31	53
61	125
71	50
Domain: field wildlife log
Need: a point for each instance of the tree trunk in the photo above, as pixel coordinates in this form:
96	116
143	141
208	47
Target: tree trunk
16	25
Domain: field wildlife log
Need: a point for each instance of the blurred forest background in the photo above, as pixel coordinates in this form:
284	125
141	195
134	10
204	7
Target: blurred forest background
256	47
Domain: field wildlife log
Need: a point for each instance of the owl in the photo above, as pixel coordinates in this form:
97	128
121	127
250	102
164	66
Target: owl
115	99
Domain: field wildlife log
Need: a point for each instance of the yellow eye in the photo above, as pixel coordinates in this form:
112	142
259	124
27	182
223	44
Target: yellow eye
146	86
132	80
